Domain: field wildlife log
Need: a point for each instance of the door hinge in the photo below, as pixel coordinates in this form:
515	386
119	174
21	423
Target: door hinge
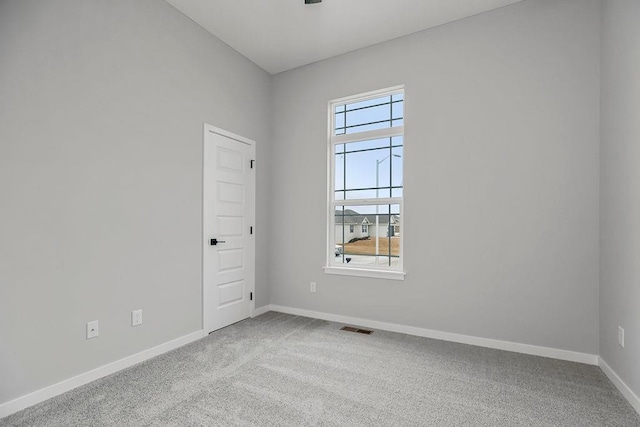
252	163
251	230
250	296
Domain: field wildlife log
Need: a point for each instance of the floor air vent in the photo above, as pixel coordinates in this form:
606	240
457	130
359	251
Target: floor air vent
358	330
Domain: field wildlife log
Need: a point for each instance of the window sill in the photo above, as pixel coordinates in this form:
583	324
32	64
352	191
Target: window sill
362	272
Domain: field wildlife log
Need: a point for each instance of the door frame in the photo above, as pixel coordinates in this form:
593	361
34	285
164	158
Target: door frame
207	128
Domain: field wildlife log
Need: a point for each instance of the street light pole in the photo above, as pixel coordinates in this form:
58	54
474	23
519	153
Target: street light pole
378	162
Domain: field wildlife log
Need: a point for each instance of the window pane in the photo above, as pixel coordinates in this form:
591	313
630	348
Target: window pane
369	115
339	121
372	168
368	127
396	166
368	169
396	192
339	172
370	144
368	103
376	244
358	194
367	213
398	110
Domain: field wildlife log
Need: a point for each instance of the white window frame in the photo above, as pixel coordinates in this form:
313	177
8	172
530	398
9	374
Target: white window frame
331	267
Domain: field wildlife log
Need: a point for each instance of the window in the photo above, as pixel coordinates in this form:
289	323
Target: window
366	143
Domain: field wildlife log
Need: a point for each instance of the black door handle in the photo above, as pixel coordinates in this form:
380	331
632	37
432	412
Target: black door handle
216	241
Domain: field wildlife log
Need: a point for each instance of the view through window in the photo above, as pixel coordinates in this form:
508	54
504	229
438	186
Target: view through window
366	142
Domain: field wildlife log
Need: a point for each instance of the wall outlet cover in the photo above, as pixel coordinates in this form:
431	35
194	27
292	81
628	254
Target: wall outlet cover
92	329
136	317
620	336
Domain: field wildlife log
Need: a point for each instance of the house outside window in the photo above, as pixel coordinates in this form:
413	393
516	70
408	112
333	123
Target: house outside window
366	145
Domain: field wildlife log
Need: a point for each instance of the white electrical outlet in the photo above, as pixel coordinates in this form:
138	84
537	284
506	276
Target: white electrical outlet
92	329
313	287
136	317
620	336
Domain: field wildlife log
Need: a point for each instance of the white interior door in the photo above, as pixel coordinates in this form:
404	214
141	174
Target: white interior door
228	221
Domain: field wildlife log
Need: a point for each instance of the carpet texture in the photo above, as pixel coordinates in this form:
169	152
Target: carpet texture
283	370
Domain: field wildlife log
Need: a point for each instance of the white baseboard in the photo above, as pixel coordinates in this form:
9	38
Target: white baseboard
620	385
43	394
262	310
572	356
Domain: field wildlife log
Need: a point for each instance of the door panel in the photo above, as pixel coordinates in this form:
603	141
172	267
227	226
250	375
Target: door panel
228	216
230	226
230	259
229	192
231	292
229	160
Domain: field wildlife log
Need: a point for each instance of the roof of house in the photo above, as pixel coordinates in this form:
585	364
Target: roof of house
353	217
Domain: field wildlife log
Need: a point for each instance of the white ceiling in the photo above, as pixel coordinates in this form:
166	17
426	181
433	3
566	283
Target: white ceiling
279	35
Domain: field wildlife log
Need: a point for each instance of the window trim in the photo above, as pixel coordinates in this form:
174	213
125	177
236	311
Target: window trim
365	272
382	272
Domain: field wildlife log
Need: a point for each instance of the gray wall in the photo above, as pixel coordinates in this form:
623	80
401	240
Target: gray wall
620	189
101	111
501	177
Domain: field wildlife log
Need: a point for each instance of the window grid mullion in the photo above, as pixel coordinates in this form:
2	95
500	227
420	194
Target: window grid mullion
344	173
389	234
367	202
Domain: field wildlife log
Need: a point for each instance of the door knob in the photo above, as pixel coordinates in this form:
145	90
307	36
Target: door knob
216	241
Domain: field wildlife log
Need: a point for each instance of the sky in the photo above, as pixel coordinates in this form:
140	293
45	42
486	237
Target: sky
365	157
